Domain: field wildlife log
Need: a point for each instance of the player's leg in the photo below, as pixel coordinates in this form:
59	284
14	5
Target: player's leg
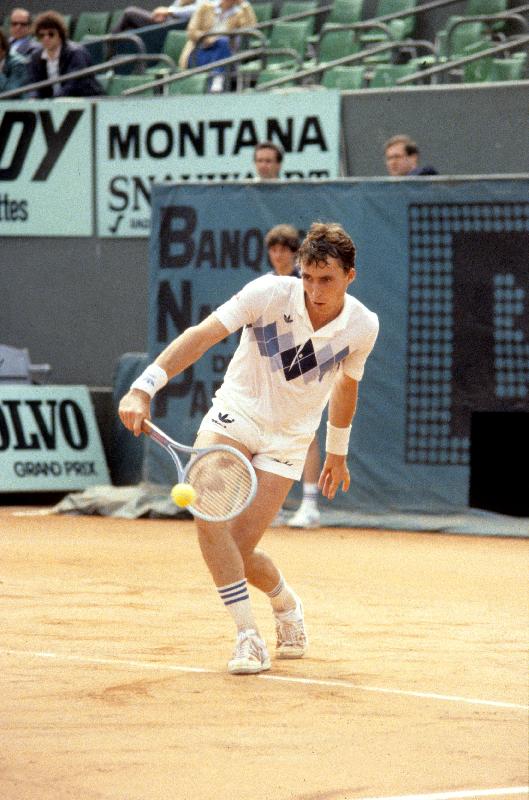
247	530
226	562
308	514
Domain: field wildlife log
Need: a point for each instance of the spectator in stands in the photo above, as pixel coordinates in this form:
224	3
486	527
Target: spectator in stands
134	17
59	56
215	17
20	39
268	158
402	158
282	243
13	66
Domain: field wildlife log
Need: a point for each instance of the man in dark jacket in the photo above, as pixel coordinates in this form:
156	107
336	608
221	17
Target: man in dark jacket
402	158
59	56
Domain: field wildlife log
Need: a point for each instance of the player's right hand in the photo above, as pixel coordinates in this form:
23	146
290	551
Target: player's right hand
134	407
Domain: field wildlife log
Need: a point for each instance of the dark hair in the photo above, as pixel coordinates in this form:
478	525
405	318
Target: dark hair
51	20
269	146
4	44
283	234
327	240
409	145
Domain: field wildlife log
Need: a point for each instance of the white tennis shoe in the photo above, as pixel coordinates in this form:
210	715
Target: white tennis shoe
291	636
250	655
305	517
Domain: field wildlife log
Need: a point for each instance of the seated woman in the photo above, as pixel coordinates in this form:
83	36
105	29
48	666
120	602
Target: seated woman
215	17
59	56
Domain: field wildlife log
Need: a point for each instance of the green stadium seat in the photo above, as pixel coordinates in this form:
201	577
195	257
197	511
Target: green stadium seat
343	78
292	35
400	28
115	17
193	84
263	11
477	71
486	7
91	23
460	38
118	83
509	69
334	44
384	75
173	45
267	75
289	7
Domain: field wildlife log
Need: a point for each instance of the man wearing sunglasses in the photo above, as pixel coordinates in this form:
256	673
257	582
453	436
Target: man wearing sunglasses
59	56
20	39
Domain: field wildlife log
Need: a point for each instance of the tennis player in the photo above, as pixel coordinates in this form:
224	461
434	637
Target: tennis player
304	344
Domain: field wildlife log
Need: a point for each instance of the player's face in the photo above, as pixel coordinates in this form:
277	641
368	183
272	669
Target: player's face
398	162
282	259
325	285
267	164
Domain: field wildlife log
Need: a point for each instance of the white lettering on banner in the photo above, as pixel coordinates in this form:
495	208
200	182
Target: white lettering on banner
48	439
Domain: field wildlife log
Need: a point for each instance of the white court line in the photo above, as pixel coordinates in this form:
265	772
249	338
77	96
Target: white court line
507	792
164	667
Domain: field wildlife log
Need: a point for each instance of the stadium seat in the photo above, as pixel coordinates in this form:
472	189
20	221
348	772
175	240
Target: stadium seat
487	7
452	42
115	17
509	69
477	71
91	23
193	84
388	74
290	7
118	83
343	78
263	11
334	44
267	75
292	35
173	45
345	12
400	28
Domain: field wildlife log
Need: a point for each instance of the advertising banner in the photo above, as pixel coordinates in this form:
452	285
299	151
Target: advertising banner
46	168
49	439
174	139
443	264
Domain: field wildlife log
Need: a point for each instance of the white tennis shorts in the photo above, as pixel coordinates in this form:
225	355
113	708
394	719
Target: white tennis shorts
278	452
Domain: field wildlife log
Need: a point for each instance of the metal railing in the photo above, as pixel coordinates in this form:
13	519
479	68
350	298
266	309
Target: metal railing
104	66
345	61
245	55
510	44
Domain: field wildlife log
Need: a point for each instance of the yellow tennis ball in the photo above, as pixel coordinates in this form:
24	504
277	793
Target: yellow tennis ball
183	494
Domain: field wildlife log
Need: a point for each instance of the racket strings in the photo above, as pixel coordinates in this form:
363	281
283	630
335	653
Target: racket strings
222	481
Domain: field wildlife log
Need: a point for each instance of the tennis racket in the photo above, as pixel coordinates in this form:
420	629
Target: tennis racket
222	477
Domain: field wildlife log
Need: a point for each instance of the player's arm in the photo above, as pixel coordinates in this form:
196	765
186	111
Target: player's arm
342	407
183	351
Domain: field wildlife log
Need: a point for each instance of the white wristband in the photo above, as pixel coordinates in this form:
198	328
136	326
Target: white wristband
151	380
337	440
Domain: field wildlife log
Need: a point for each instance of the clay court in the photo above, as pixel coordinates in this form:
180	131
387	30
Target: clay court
114	648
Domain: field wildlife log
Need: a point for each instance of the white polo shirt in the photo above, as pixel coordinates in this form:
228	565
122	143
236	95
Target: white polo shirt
282	373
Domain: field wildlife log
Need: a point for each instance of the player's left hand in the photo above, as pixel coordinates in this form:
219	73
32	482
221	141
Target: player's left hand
334	473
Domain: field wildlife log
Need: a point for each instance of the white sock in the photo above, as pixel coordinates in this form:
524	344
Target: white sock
282	597
310	495
237	601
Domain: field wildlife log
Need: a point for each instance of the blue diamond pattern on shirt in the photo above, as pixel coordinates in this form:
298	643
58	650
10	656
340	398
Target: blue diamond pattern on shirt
294	360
